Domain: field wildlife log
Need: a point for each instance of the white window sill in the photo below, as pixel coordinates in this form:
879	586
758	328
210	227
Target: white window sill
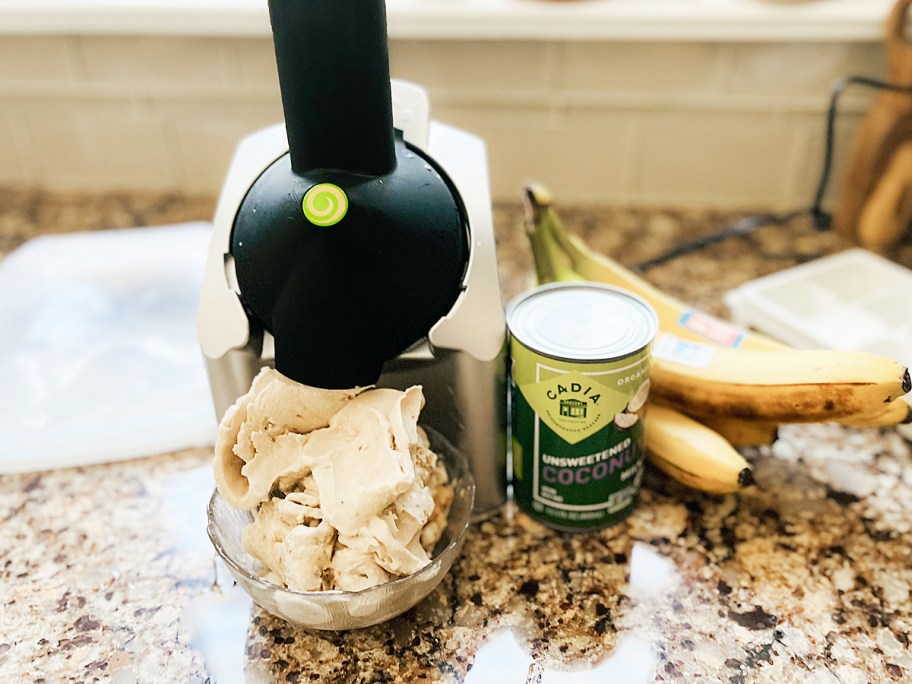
716	20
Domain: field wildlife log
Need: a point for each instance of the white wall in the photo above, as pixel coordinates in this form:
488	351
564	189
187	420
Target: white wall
656	123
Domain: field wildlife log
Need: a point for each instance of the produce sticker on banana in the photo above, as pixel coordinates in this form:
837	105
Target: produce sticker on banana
711	328
580	379
670	347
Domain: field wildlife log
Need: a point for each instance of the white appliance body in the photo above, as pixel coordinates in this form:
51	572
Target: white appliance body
461	362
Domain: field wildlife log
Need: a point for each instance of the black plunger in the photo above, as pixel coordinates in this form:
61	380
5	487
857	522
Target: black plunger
333	65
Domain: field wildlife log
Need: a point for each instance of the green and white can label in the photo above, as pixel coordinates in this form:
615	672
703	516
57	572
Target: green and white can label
580	356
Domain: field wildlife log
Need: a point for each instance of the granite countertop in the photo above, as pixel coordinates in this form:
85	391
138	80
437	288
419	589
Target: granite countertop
106	573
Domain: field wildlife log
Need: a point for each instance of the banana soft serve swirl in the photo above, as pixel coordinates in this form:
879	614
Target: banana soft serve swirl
347	491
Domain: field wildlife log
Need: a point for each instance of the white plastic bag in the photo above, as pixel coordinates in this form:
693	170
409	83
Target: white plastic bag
99	359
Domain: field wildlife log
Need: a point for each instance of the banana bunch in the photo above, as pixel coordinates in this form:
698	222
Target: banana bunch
715	387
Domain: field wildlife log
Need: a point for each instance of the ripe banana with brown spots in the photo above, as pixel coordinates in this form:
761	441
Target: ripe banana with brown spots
789	386
732	376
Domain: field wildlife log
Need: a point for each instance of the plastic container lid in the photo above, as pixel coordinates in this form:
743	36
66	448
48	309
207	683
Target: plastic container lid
853	300
582	321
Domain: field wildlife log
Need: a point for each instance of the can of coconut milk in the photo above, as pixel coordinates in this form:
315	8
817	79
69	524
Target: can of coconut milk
580	357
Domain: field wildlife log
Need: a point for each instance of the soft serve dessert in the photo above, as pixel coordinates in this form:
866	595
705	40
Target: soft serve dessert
346	489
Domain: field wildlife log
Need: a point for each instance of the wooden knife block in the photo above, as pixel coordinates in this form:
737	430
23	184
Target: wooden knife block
875	202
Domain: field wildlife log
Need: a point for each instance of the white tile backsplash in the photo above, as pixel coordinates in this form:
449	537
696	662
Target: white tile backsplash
17	164
686	123
138	61
97	144
807	157
791	69
627	67
712	157
201	136
479	69
580	155
36	59
253	65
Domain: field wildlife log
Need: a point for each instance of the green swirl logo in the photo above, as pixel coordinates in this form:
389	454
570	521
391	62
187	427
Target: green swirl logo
325	204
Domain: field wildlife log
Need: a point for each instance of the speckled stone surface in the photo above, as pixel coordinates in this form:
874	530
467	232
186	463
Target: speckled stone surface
106	573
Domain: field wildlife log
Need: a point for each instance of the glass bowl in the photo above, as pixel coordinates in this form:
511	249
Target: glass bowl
341	610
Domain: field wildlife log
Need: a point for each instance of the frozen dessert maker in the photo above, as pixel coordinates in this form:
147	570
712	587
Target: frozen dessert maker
354	245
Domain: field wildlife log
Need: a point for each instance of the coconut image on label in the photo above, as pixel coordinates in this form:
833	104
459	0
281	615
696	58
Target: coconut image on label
627	418
580	382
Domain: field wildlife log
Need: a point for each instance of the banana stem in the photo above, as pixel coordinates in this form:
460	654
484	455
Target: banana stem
550	263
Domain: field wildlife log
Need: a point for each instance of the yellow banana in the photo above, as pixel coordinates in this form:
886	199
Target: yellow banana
688	451
809	386
740	432
674	316
787	386
762	380
692	453
897	412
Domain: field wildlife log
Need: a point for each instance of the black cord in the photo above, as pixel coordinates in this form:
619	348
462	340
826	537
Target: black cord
822	220
742	227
